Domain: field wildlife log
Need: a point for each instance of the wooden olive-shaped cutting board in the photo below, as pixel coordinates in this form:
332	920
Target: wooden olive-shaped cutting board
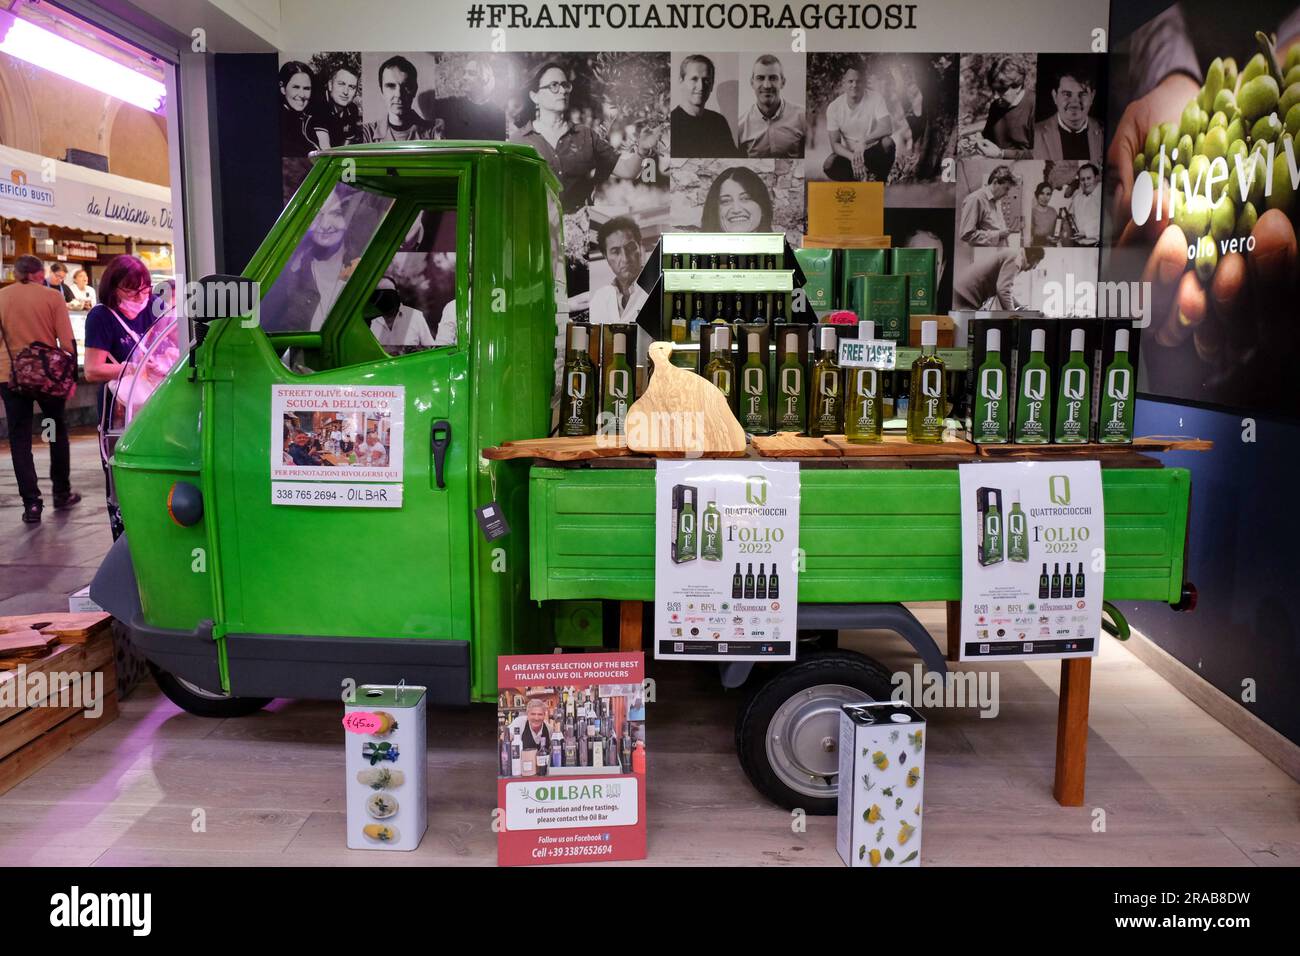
682	414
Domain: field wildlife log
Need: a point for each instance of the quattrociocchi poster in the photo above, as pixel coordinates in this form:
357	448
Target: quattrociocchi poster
571	750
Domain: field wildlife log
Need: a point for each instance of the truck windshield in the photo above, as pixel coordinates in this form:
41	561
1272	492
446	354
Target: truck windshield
312	280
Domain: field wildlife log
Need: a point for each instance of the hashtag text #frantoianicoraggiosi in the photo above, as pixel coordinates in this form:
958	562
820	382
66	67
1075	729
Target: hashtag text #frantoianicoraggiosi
692	16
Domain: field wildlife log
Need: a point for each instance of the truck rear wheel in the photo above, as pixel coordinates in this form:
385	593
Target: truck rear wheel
204	703
787	731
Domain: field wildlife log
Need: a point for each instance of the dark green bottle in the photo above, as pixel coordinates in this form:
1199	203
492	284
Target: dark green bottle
791	387
1115	423
721	369
1074	401
989	423
688	541
578	408
1017	533
993	531
711	532
1034	394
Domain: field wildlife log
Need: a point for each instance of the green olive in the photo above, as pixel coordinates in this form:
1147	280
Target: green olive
1216	143
1236	129
1219	119
1225	103
1258	97
1139	164
1213	80
1266	129
1190	122
1289	98
1193	216
1292	58
1223	218
1170	141
1185	150
1207	260
1229	73
1292	76
1246	220
1255	190
1238	148
1198	146
1178	174
1198	169
1280	197
1293	120
1257	66
1152	146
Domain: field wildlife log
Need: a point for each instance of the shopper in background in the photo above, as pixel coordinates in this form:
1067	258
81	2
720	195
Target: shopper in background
698	131
337	121
620	301
398	84
737	202
58	281
295	94
83	293
30	313
774	127
113	329
580	158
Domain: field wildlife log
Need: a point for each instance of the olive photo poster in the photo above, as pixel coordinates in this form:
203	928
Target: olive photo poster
726	553
1033	540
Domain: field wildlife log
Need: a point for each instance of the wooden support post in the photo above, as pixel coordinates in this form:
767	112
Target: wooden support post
1072	731
629	625
954	630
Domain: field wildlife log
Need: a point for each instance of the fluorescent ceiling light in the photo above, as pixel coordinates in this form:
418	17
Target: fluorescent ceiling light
49	51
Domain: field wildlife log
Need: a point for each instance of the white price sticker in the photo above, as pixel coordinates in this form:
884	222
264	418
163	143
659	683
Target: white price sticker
881	354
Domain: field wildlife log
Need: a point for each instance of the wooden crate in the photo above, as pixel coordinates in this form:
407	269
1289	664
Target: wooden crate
36	733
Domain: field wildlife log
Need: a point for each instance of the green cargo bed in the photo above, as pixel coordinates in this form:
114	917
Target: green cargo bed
870	535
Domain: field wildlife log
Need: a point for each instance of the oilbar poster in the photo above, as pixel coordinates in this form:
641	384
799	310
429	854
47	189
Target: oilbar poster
726	560
1033	557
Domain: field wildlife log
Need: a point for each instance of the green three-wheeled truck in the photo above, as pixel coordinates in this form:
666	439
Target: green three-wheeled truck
236	597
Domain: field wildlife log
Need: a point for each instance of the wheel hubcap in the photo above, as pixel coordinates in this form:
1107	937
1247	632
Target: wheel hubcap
803	738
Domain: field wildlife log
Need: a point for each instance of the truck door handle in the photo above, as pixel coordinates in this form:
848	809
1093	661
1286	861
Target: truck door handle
439	439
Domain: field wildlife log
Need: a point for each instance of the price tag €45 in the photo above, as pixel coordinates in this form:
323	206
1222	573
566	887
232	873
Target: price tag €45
362	722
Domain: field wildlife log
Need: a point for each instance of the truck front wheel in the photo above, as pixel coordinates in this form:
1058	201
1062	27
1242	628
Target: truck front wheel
204	703
787	732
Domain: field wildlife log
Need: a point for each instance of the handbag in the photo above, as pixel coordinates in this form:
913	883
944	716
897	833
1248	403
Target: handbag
41	370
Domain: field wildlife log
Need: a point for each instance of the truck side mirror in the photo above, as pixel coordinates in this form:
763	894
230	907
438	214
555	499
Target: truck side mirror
221	297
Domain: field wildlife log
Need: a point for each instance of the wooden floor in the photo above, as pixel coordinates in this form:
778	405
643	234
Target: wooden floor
1175	786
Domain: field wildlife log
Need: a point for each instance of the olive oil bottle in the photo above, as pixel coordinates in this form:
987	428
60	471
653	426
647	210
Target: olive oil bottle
1074	401
697	317
721	370
994	534
792	410
755	410
619	387
928	400
1017	533
711	531
827	388
688	542
863	415
578	408
989	425
679	329
1115	424
1034	394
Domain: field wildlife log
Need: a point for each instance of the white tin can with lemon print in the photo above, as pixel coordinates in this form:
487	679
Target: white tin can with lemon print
881	784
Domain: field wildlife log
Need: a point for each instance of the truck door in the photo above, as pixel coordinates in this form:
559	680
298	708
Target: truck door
341	486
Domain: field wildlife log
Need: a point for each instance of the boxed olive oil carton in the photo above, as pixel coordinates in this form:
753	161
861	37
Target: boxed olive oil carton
855	263
883	300
918	266
818	266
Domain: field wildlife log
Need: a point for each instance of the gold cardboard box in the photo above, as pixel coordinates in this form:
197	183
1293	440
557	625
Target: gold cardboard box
846	210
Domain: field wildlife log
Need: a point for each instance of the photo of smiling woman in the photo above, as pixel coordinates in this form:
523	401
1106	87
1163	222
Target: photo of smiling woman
296	83
757	195
738	201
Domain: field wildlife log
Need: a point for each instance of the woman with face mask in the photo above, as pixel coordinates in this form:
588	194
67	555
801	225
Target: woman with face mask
114	327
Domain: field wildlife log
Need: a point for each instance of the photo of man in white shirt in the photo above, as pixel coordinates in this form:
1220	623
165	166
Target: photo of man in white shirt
860	130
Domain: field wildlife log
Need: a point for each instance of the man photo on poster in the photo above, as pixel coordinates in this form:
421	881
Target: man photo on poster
697	131
337	121
1085	206
774	128
619	240
1070	132
398	84
982	221
474	114
860	129
1008	131
987	282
